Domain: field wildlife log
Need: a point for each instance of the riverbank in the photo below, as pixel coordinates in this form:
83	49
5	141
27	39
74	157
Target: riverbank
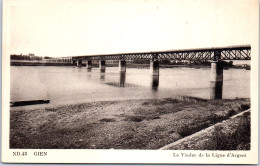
131	124
38	63
231	134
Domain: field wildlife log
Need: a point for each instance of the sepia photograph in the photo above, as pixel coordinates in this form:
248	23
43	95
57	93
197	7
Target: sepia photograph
173	79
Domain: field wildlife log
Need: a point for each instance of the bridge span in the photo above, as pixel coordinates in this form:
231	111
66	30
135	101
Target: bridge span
215	54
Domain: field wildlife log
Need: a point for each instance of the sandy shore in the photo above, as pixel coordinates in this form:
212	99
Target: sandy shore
131	124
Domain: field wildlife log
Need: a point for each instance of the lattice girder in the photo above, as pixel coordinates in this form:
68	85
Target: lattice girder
224	53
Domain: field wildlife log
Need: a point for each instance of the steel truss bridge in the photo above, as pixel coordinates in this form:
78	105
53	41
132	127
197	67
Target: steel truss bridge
241	52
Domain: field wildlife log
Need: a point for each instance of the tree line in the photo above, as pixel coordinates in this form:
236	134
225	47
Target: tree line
29	57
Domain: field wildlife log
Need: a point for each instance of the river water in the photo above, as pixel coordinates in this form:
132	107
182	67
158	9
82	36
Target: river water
69	85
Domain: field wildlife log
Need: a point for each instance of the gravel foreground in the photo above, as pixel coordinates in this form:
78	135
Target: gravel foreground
131	124
230	134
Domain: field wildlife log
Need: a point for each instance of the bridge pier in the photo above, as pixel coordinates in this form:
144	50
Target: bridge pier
122	72
122	66
79	63
73	62
122	79
154	70
89	65
154	67
216	80
102	66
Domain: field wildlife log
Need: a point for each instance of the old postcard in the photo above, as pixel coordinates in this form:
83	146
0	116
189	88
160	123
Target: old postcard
125	81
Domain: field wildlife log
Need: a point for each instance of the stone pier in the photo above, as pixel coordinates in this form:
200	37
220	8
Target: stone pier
122	72
102	66
122	79
154	70
122	66
89	64
216	80
79	63
73	62
154	67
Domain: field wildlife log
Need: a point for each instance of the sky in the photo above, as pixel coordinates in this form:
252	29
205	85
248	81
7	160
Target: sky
61	28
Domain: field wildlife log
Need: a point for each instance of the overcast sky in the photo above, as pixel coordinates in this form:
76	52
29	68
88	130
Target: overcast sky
61	28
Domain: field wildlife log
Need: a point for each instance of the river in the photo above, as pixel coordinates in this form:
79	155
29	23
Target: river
70	85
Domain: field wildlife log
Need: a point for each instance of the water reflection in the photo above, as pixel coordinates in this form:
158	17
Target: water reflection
216	89
102	70
89	75
155	82
102	76
102	66
122	79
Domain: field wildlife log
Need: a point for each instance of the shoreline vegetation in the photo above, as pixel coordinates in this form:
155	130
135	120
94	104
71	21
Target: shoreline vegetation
132	124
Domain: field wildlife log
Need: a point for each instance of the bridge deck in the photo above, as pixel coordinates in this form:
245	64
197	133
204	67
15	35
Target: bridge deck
215	53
